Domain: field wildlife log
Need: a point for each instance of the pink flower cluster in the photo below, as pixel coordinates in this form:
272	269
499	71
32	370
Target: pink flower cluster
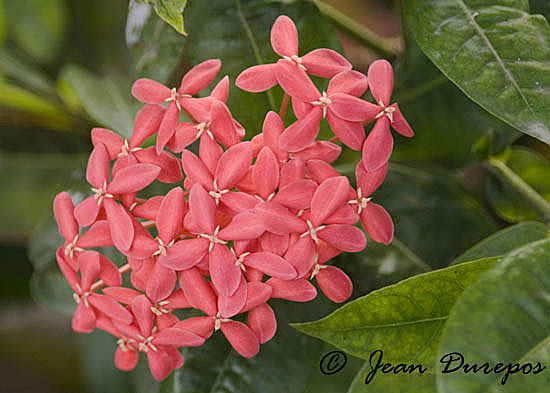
251	221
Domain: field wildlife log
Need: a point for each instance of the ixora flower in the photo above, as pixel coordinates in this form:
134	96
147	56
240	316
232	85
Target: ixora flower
251	221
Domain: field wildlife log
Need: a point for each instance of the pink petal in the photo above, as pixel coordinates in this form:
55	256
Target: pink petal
160	364
300	108
329	196
257	78
210	153
167	126
109	272
369	181
202	206
277	244
320	150
143	245
265	173
221	90
296	195
300	290
184	135
198	109
239	201
320	170
147	123
325	63
258	293
284	36
123	162
185	254
344	237
110	307
170	215
161	283
278	219
225	274
97	172
99	235
241	338
89	266
63	210
175	355
271	264
291	171
233	165
177	300
263	323
196	170
301	133
272	129
120	225
121	294
229	306
133	178
335	284
352	134
222	125
178	337
141	308
349	82
295	82
351	108
200	76
112	142
399	123
202	326
346	214
170	168
301	254
67	270
126	360
83	319
140	277
243	226
377	223
150	91
198	291
380	77
378	145
148	209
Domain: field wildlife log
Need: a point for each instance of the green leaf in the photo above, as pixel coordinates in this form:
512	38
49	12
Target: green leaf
105	102
533	169
38	26
170	11
29	75
505	241
238	33
496	52
154	46
502	318
404	320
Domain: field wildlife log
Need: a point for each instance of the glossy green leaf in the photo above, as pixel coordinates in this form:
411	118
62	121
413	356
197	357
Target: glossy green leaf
496	52
505	241
533	169
502	318
38	26
105	102
237	32
171	11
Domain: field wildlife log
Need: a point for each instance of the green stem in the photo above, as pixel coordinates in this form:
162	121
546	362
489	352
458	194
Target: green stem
500	169
385	46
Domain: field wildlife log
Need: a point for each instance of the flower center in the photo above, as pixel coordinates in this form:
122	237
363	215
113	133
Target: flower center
162	247
125	149
125	344
295	59
218	321
269	197
240	259
101	193
81	298
213	238
71	247
388	111
217	194
146	344
159	310
204	127
361	201
323	101
317	267
312	232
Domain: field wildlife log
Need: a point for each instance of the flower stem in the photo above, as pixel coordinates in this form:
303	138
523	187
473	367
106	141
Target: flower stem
284	106
501	170
385	46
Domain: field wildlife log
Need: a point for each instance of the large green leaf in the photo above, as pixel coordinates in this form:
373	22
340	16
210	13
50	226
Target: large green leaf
171	11
237	32
38	26
105	102
502	318
505	241
154	46
404	320
495	51
533	169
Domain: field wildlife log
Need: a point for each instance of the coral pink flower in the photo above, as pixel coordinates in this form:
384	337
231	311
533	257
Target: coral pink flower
379	144
128	180
322	62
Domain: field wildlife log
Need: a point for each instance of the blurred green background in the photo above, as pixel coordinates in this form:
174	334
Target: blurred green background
67	66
